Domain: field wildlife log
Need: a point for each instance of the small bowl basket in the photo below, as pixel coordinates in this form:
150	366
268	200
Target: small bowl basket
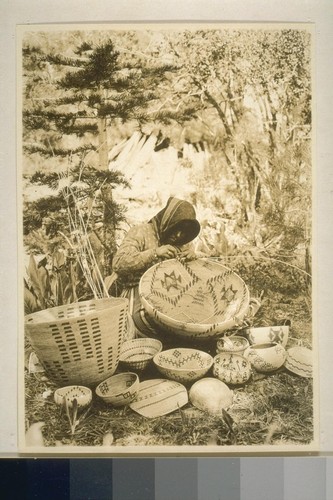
233	344
182	364
83	395
232	368
266	358
264	334
137	354
119	390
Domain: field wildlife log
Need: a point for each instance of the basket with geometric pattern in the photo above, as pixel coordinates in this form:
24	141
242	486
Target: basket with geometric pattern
79	343
197	300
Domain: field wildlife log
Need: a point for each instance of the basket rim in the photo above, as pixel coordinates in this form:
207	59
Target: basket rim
252	328
229	354
140	341
194	328
233	337
260	345
125	353
36	314
68	387
146	357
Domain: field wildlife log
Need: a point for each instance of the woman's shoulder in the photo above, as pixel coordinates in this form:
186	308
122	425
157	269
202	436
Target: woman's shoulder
141	229
143	226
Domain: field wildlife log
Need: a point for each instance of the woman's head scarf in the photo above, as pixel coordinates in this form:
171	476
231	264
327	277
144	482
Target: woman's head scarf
177	214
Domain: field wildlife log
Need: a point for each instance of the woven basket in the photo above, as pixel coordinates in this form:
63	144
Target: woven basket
137	354
233	344
182	364
158	397
299	361
232	368
119	390
79	343
197	300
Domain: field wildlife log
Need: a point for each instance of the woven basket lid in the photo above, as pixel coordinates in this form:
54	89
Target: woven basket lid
299	361
159	397
198	299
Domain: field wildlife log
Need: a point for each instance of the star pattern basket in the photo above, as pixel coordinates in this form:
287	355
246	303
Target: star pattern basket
79	343
197	300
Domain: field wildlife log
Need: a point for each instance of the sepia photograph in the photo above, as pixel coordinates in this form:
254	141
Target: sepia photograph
165	178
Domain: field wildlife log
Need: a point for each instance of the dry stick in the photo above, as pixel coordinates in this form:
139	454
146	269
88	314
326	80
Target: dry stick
83	258
90	251
286	264
87	276
272	259
92	256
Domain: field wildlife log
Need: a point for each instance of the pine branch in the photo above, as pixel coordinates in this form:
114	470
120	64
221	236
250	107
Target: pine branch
64	61
50	152
84	47
60	101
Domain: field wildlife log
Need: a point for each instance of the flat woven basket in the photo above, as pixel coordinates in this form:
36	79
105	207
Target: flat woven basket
198	300
79	343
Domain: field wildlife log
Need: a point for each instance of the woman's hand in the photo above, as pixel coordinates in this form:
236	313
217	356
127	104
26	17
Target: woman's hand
166	252
187	254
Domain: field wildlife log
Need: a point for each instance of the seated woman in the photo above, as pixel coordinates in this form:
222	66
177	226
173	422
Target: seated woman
165	236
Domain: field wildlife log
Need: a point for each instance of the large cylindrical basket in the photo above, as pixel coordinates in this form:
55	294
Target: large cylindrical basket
197	300
79	343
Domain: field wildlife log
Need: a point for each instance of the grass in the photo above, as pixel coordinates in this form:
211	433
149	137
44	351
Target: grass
269	409
274	410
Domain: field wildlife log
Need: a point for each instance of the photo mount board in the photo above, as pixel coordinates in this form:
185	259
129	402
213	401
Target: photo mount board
313	447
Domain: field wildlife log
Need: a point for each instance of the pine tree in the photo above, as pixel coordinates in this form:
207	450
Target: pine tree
69	103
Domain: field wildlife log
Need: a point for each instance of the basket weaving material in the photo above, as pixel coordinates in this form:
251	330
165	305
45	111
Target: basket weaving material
79	343
136	354
198	299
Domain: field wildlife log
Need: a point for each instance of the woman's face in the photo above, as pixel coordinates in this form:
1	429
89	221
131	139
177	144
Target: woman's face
180	234
176	238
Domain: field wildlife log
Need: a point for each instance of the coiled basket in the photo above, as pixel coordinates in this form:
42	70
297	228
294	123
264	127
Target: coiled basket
197	300
79	343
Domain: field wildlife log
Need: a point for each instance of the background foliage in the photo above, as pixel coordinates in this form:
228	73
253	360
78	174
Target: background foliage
242	95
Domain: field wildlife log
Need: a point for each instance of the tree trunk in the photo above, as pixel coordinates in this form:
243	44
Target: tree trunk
108	217
103	151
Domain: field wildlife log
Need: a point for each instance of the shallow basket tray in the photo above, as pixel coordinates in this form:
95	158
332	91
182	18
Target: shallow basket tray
159	397
79	343
198	300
